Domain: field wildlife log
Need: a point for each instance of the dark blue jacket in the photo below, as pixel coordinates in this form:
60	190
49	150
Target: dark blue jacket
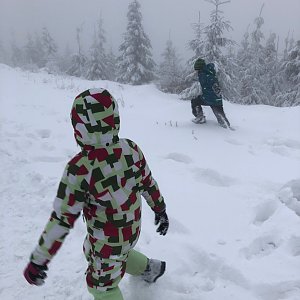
211	92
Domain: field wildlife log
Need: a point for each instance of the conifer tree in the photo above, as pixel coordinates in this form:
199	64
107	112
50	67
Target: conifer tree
97	66
136	65
170	72
34	52
50	51
3	54
215	44
17	58
50	47
191	87
111	65
291	68
78	61
253	79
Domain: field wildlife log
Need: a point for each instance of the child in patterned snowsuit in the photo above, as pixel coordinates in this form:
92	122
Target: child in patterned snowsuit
211	94
105	180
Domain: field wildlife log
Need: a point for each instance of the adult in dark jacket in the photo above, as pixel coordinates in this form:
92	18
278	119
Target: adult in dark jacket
211	94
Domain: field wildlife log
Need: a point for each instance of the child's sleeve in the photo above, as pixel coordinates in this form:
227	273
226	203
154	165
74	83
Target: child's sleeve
67	207
150	189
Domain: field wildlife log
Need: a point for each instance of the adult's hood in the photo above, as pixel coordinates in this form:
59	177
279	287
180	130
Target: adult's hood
95	118
210	68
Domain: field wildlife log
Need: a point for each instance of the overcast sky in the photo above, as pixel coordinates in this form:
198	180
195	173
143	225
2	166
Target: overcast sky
159	18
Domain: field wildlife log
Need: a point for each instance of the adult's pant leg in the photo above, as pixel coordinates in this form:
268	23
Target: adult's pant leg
220	115
136	263
113	294
196	106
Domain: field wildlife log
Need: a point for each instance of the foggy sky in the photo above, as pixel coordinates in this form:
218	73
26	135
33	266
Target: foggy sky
160	18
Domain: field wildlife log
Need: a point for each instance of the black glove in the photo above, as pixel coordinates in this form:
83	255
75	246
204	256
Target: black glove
35	274
161	219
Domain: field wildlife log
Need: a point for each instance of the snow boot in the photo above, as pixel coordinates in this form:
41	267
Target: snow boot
155	268
199	120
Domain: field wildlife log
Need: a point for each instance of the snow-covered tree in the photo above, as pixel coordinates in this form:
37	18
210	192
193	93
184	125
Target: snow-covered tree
170	71
65	59
97	65
50	51
289	43
136	65
291	68
215	45
49	46
191	88
253	70
17	58
111	65
210	44
3	54
34	52
78	61
273	82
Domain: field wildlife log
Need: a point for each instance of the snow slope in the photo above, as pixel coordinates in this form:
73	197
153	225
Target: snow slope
232	196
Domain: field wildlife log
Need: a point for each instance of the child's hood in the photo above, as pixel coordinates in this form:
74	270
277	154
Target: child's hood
95	118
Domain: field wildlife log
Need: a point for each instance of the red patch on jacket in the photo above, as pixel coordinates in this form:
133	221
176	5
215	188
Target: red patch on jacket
71	201
99	154
82	170
75	116
118	152
106	251
105	100
127	233
110	230
109	121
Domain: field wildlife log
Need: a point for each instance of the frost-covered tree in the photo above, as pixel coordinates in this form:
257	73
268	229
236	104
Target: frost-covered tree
34	52
50	51
97	65
273	82
252	75
49	45
65	59
211	44
17	58
78	61
170	71
215	45
291	69
191	88
289	43
3	54
136	65
111	65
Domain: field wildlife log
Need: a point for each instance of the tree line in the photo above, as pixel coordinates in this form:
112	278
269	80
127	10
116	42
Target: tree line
253	72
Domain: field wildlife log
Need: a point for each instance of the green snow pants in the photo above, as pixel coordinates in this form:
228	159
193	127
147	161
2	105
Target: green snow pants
135	265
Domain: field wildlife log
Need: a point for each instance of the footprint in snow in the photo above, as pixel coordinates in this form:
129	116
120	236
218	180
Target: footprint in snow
264	211
234	142
294	245
213	268
261	246
179	157
213	178
281	290
289	194
284	147
43	133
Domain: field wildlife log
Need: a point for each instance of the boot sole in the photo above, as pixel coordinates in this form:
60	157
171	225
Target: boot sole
162	271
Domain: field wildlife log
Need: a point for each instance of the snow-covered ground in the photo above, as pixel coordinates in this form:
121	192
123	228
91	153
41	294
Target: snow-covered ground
233	197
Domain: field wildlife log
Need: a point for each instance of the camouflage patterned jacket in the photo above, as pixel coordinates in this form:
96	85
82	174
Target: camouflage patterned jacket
105	181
